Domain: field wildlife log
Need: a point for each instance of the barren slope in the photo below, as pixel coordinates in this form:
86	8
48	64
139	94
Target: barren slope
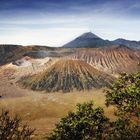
112	60
67	75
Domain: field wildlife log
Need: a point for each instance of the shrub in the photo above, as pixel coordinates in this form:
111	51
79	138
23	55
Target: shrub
86	123
12	129
125	95
123	129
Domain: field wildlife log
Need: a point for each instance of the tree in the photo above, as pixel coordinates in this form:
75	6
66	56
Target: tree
123	129
125	96
86	123
12	129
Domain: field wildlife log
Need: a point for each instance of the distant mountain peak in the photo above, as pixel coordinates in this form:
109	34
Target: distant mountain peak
89	35
87	40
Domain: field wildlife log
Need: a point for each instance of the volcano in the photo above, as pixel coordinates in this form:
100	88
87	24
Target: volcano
66	76
87	40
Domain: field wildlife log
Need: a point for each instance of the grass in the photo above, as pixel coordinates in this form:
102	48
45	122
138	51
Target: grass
43	111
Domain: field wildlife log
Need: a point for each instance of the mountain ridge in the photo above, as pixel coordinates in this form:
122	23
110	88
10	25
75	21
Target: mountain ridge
113	60
91	40
129	43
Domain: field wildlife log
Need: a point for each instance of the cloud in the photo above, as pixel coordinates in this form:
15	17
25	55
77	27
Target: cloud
42	8
50	22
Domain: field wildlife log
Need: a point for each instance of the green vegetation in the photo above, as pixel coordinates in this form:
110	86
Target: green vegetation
89	123
125	95
85	124
12	129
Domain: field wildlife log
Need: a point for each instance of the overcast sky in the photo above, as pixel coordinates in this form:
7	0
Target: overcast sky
55	22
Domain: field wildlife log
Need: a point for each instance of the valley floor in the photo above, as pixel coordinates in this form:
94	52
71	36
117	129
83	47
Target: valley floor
43	110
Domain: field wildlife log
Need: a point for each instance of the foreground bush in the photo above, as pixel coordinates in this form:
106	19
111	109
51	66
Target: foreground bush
86	123
125	96
12	129
123	129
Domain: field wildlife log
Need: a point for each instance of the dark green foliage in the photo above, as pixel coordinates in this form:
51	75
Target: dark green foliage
123	129
125	94
84	124
12	129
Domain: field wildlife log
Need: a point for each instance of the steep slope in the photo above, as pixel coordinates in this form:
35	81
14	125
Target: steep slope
112	60
67	75
87	40
131	44
9	53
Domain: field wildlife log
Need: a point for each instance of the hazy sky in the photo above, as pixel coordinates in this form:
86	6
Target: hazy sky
55	22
